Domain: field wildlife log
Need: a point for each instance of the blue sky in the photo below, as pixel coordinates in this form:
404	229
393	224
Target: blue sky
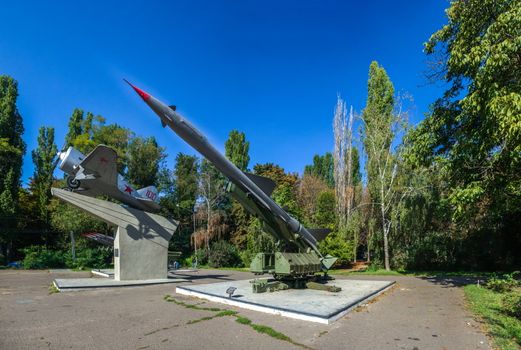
269	68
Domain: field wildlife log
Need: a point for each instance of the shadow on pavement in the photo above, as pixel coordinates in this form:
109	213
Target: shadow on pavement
191	277
453	281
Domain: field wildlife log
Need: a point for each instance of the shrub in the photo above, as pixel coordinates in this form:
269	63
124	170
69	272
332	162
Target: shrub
223	254
512	304
337	246
39	257
503	284
202	257
97	258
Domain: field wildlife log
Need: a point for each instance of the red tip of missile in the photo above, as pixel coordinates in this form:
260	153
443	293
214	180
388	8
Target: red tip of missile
140	92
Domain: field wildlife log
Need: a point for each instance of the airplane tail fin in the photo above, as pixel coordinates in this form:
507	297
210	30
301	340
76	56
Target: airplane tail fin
149	192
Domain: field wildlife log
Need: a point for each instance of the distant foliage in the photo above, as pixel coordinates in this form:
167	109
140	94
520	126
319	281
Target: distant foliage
322	168
224	254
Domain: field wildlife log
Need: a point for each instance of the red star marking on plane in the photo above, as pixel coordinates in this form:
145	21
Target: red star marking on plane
103	160
128	189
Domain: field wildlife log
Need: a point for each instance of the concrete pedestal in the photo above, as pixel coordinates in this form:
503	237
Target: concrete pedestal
137	258
303	304
141	242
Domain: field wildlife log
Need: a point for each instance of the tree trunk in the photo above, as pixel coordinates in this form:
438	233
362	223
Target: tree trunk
385	228
208	217
355	243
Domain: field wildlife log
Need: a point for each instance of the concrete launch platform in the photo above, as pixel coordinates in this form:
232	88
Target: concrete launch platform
304	304
76	284
107	273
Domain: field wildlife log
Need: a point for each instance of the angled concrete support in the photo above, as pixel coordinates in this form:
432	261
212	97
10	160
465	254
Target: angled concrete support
141	242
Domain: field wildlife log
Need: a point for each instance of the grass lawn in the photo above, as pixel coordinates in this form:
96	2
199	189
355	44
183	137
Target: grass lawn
505	330
383	272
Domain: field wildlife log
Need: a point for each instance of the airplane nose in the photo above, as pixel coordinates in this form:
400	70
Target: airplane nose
140	92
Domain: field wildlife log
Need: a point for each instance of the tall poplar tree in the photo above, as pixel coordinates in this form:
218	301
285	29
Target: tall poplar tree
43	158
75	127
237	149
12	149
378	121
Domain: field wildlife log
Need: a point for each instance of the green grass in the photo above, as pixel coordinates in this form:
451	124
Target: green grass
268	331
382	272
379	272
239	319
505	330
170	299
53	289
208	318
414	273
206	267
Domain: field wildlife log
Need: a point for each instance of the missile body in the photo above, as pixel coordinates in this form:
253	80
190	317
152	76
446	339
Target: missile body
182	127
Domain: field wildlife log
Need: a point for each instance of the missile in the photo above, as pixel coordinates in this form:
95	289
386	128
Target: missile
182	127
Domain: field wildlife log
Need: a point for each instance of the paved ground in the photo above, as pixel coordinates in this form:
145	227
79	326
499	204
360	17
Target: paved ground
418	313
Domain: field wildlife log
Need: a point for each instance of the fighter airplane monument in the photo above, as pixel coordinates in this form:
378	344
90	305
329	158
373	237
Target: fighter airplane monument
141	240
298	269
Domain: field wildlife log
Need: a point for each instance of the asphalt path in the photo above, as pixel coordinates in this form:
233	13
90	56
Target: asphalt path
418	313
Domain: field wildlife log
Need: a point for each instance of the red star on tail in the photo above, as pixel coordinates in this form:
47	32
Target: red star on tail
128	189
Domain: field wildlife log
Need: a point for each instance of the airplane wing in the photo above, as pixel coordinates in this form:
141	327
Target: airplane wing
102	164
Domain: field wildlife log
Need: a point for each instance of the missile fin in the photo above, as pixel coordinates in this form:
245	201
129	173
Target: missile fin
319	233
265	184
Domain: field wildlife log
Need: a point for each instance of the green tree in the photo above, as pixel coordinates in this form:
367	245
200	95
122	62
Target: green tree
75	127
116	137
381	164
285	193
145	158
237	149
473	132
356	174
322	167
43	158
325	213
12	149
212	192
179	198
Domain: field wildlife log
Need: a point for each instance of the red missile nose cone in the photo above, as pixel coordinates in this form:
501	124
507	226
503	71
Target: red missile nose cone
140	92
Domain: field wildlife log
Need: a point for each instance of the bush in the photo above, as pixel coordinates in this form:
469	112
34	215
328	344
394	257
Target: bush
503	284
337	246
202	257
512	304
223	254
97	258
39	257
